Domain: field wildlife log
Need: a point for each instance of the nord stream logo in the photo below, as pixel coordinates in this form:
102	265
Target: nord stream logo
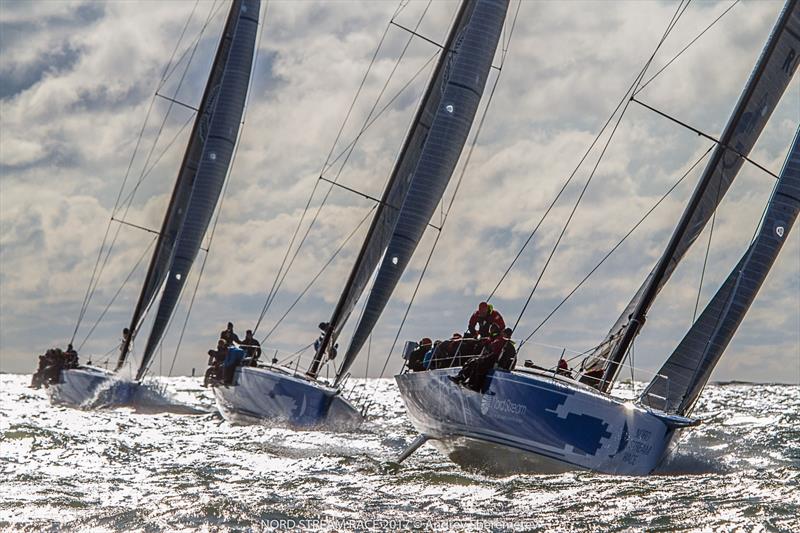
501	406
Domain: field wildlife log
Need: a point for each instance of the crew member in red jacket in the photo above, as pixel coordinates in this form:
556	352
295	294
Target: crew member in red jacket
473	374
482	319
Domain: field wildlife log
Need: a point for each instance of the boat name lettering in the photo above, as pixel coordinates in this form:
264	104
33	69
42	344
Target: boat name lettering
505	406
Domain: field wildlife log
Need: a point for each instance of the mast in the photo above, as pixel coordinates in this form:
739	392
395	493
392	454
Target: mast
387	211
766	85
680	380
192	200
462	89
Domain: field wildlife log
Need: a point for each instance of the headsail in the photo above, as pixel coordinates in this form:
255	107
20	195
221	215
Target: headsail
680	381
461	89
388	211
202	174
763	91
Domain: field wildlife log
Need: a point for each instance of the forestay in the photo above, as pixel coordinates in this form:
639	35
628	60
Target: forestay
202	174
763	91
380	230
461	87
679	382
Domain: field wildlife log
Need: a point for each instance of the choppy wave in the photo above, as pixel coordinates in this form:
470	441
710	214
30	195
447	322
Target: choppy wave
119	469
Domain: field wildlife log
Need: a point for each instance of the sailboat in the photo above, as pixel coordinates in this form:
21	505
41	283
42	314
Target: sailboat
420	175
201	176
548	421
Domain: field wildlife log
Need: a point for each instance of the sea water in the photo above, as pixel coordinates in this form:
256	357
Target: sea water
69	469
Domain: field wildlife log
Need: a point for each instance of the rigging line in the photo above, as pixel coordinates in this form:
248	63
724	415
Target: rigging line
380	95
455	192
387	106
177	44
213	11
283	262
129	199
314	279
281	276
569	219
103	314
166	115
90	289
597	138
707	136
586	185
705	259
391	101
95	274
616	246
360	87
158	159
662	69
145	170
277	281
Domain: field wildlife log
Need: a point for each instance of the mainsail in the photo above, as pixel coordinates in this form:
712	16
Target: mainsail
683	376
461	87
202	173
388	211
763	91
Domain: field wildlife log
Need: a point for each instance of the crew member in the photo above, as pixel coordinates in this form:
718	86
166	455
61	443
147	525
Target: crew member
215	360
563	368
70	357
508	357
482	319
252	349
473	374
229	336
416	357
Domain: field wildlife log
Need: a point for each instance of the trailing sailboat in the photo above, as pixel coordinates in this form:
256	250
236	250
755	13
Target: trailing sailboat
551	420
418	180
200	180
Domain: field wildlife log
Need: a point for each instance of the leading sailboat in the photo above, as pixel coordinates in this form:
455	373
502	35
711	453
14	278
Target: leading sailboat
202	174
419	178
555	420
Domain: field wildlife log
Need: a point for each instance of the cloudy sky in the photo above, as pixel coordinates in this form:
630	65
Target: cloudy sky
77	79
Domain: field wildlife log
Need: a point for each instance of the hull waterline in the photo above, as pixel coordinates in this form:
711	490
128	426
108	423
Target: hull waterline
280	396
540	423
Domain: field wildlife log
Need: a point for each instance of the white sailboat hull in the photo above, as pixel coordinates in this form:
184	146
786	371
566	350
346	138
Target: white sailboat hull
87	386
280	396
527	422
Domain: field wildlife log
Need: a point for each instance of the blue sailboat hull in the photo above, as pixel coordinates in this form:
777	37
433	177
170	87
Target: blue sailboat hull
536	422
281	396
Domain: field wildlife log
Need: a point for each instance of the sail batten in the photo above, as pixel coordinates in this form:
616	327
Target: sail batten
464	77
765	87
680	380
202	174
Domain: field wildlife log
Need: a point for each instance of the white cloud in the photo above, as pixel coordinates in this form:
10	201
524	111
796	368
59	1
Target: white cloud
80	83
